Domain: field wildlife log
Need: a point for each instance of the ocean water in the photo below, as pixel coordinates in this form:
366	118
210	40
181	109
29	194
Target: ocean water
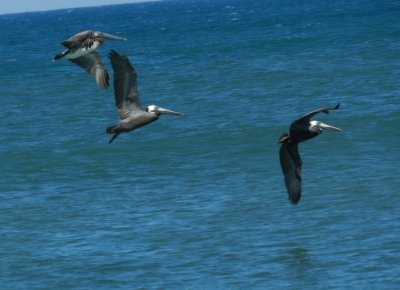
198	202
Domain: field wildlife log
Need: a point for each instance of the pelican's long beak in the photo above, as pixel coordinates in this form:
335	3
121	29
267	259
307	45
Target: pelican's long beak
112	37
326	126
167	112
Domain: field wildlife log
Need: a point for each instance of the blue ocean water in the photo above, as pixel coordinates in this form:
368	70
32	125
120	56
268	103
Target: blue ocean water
198	202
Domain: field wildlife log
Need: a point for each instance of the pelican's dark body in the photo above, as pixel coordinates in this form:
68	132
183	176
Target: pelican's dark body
140	119
300	130
302	134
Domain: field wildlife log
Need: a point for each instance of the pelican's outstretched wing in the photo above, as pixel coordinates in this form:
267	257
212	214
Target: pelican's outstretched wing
125	86
92	63
291	168
84	39
306	118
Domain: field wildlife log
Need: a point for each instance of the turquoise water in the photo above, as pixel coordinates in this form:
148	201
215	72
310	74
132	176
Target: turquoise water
198	202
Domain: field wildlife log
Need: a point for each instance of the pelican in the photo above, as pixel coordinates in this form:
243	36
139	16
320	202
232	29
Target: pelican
127	99
300	130
81	49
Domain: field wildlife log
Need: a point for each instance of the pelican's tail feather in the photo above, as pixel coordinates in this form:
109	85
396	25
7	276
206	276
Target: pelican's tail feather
62	54
283	137
112	130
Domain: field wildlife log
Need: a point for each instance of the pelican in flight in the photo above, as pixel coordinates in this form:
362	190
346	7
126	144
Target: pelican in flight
127	99
81	49
300	130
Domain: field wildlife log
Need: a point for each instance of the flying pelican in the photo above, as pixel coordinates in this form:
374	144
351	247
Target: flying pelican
127	99
81	49
300	130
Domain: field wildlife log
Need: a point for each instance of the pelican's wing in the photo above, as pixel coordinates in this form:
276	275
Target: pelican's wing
82	39
291	168
92	63
306	118
125	86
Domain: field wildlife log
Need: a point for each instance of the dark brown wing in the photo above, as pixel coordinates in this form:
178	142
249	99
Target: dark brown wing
92	63
306	118
291	168
83	39
125	87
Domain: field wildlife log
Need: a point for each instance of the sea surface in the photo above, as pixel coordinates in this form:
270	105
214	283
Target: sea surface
198	201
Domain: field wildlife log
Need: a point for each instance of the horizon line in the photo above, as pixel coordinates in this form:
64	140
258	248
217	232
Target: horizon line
70	8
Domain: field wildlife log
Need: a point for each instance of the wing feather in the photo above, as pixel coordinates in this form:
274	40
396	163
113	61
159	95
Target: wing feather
306	118
92	63
125	85
291	168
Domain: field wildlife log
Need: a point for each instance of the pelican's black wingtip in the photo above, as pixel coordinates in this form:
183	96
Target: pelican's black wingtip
294	200
328	110
295	194
113	53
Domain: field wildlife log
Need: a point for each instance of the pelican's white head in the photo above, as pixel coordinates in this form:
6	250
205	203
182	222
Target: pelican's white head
322	126
153	109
